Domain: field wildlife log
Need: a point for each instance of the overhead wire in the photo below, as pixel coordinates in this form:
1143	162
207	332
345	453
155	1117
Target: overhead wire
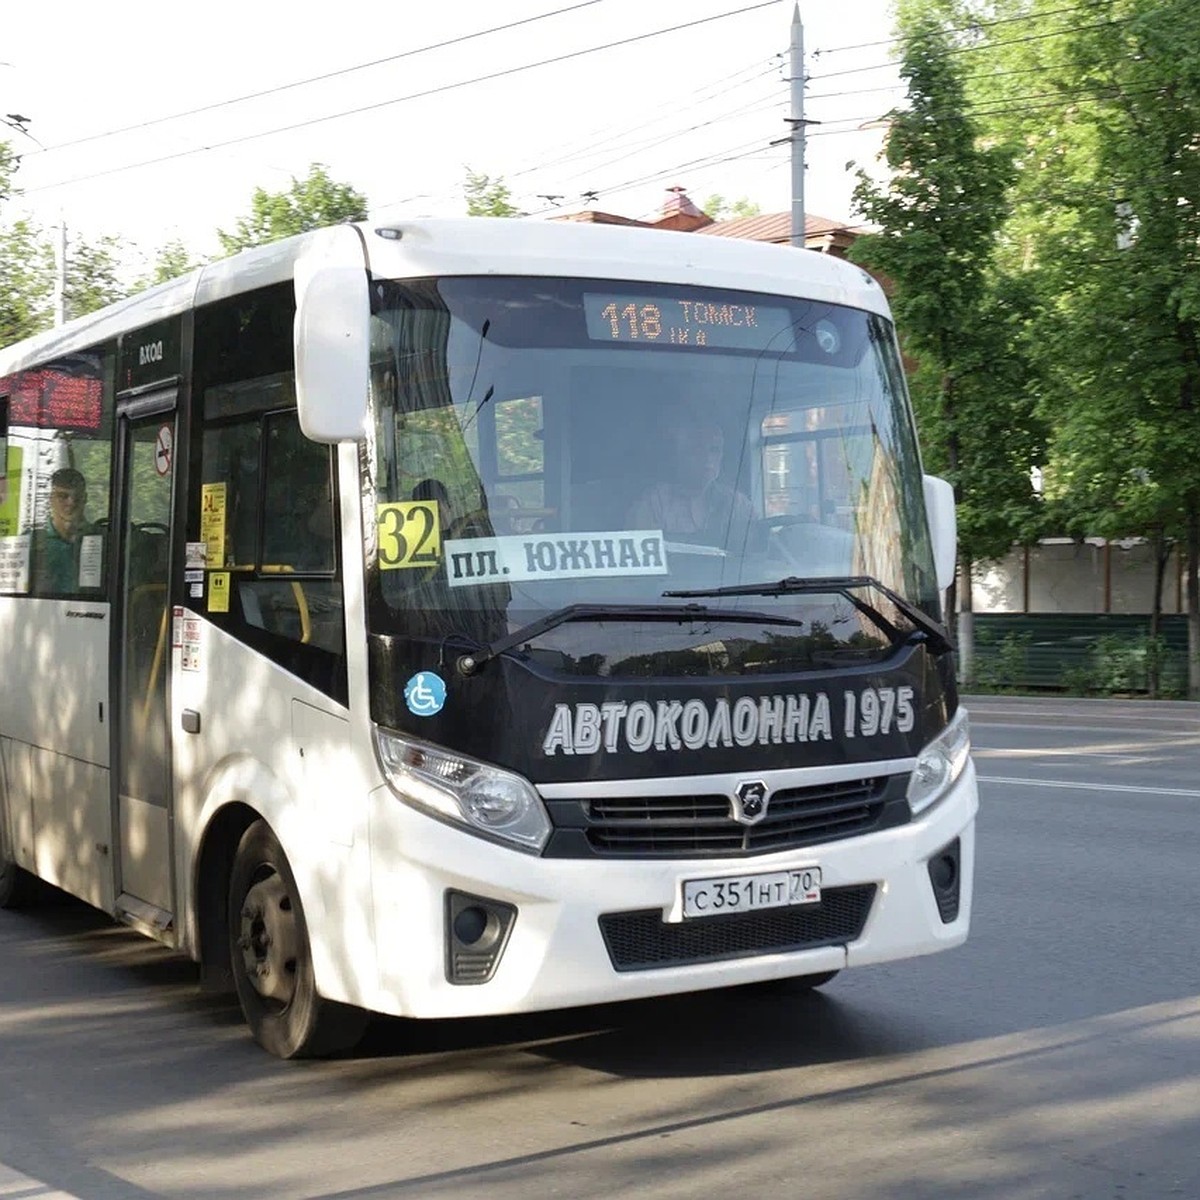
1004	108
1035	37
730	154
433	91
616	130
973	27
659	140
285	87
593	147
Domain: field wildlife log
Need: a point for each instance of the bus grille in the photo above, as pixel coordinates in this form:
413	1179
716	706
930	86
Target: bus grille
699	826
641	941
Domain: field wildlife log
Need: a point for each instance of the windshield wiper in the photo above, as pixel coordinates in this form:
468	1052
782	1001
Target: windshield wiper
842	585
468	664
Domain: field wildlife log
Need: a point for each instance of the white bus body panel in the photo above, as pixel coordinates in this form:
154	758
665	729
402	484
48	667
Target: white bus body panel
556	955
56	742
299	759
270	741
478	246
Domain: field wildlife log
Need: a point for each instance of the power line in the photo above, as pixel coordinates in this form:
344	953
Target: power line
745	150
670	107
1005	109
617	129
284	87
1034	37
973	27
402	99
704	93
658	140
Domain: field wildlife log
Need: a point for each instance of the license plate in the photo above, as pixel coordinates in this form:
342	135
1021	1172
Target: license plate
750	893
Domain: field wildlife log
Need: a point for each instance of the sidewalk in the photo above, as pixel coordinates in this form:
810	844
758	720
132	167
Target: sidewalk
15	1186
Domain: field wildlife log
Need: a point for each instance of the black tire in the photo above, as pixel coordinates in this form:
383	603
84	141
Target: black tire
271	960
17	886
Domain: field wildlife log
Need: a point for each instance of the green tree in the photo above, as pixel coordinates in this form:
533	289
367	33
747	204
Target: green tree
26	282
26	276
92	275
309	203
960	318
8	168
1107	215
720	209
173	260
488	197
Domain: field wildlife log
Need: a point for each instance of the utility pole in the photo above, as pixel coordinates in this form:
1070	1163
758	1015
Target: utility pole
796	120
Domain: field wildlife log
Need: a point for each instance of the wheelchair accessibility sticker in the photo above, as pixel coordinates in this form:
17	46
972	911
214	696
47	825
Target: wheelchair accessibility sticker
425	694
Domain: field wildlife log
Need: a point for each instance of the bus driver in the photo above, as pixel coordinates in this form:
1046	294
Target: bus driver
692	500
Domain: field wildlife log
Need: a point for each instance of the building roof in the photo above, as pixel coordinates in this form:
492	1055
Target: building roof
591	216
777	227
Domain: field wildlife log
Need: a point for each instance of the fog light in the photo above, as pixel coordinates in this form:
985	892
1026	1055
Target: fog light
470	925
944	876
477	930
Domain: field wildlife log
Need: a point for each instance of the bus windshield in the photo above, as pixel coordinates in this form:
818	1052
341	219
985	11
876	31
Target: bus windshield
539	443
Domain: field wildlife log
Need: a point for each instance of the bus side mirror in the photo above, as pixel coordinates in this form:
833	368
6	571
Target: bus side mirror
331	336
943	528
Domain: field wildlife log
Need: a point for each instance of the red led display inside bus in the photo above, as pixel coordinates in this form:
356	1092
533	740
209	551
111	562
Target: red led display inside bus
53	399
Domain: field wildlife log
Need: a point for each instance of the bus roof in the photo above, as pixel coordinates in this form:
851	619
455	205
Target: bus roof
484	246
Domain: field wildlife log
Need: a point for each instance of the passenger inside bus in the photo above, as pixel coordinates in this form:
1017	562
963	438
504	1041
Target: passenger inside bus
58	545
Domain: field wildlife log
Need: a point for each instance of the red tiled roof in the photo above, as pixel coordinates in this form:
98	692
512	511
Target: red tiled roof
592	217
776	227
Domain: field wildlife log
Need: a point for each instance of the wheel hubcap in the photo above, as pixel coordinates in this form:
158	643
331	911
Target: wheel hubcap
269	939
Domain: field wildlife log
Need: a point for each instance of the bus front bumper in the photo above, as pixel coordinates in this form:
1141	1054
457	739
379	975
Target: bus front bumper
569	914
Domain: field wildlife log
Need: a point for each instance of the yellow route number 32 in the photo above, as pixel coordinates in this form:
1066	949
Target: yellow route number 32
410	534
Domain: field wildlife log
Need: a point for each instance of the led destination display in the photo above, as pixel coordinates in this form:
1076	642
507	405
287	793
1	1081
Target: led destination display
687	320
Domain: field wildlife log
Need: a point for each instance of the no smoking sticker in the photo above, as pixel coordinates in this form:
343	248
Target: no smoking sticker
164	444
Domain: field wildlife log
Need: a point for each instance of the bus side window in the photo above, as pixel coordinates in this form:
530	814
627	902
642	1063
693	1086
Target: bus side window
276	487
67	457
298	512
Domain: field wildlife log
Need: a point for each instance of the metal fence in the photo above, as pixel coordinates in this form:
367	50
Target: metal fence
1104	653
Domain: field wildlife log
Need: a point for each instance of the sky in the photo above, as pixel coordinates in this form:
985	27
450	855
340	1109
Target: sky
400	118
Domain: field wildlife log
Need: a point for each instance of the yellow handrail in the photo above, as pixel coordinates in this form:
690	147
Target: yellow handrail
297	591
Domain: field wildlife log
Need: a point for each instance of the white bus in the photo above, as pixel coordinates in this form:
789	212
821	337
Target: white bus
451	618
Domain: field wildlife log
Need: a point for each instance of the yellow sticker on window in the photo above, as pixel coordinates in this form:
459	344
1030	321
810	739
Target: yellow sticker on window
410	534
10	492
212	522
218	591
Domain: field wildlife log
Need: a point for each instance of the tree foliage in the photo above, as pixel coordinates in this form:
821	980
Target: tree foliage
962	319
488	197
8	169
92	275
28	269
1105	221
720	209
310	203
172	260
26	282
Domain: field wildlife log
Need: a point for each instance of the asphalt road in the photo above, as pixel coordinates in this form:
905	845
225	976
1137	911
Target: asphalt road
1057	1054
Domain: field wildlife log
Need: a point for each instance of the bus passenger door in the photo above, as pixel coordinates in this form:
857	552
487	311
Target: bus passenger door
141	659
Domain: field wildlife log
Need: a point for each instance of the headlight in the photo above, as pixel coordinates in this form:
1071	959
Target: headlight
486	800
940	763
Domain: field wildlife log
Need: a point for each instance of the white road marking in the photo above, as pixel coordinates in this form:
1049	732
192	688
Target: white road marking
1190	793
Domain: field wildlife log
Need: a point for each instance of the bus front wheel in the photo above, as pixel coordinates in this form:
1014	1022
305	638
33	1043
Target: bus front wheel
271	960
16	884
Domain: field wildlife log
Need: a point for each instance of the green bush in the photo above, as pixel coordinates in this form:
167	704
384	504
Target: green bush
1140	664
1002	665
